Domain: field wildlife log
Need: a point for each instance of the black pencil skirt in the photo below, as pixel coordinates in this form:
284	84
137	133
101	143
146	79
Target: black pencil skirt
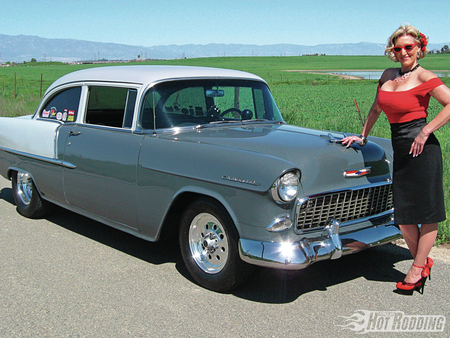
417	181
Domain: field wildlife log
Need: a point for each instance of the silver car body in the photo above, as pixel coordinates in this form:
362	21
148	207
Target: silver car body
134	178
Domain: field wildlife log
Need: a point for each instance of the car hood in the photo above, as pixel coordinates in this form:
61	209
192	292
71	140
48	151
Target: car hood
321	161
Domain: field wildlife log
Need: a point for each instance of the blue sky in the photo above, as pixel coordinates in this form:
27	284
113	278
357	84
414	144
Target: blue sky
261	22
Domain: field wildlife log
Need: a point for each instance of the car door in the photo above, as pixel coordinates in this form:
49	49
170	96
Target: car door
101	156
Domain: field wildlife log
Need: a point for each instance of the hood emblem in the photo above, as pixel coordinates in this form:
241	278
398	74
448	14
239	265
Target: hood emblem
357	172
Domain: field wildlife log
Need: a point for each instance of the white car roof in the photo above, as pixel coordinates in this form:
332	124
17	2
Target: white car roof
148	74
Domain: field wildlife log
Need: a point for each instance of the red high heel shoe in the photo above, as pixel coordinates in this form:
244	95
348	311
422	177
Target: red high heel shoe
408	288
426	272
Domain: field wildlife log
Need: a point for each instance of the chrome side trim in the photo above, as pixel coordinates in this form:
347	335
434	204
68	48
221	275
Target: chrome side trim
40	158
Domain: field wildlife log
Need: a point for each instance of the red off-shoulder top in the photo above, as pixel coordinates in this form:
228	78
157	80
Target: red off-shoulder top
408	105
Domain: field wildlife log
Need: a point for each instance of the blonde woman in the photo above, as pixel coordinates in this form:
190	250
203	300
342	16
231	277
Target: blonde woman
403	95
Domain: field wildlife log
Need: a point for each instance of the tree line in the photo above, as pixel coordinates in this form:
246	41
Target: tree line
444	50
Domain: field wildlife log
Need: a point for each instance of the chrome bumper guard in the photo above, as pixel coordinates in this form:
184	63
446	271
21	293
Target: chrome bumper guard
330	245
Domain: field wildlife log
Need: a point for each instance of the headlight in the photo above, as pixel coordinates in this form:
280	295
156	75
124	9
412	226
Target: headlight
285	189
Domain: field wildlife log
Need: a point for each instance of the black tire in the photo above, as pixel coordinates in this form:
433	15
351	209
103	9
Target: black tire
28	201
209	246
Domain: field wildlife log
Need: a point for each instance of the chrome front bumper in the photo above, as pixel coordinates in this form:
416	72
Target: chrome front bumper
329	245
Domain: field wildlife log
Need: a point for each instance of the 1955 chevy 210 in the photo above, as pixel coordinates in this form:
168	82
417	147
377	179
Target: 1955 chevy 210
202	154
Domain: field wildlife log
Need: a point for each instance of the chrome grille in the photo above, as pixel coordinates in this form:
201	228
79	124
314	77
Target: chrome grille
344	206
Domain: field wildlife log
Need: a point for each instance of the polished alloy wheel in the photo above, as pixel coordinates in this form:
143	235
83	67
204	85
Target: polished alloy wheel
24	187
208	243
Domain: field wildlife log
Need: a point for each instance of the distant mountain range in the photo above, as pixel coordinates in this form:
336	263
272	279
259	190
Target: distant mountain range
25	47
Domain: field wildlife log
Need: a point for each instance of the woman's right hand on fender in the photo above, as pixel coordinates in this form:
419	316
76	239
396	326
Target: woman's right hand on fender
347	141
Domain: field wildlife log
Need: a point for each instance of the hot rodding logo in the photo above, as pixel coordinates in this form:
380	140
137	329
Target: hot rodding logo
364	321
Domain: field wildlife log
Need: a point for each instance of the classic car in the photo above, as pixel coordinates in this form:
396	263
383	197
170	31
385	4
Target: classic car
203	156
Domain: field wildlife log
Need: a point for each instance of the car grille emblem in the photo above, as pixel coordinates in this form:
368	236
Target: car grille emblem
357	172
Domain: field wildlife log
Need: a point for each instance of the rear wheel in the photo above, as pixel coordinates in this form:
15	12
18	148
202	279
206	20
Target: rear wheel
209	246
28	201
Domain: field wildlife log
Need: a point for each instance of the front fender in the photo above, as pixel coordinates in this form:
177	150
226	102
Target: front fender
222	165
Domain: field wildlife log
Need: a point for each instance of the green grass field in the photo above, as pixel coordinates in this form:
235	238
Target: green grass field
311	100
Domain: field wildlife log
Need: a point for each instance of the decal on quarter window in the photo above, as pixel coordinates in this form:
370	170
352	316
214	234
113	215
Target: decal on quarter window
71	116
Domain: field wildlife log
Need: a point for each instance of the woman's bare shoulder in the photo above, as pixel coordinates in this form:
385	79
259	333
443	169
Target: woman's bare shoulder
388	74
426	75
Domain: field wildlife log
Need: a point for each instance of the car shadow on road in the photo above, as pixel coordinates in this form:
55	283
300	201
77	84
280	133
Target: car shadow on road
152	252
265	285
6	195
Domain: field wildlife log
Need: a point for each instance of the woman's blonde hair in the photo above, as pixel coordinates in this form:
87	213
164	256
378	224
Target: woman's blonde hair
406	30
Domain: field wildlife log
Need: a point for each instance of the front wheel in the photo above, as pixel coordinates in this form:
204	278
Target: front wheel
28	201
209	246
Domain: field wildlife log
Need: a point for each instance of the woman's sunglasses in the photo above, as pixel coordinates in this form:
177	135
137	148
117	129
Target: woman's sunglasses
408	48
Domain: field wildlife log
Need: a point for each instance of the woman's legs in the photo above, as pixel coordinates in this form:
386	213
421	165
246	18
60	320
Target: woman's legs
411	234
419	243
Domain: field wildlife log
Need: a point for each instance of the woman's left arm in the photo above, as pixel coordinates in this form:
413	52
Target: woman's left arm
442	95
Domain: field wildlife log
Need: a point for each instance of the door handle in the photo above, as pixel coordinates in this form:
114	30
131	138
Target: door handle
74	133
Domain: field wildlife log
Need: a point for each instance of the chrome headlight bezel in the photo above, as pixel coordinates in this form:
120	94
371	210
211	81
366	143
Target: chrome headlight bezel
285	189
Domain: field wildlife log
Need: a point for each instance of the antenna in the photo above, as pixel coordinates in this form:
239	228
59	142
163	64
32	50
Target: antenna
359	113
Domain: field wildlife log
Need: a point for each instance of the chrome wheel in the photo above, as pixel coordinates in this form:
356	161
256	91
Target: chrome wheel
27	197
208	243
24	188
209	246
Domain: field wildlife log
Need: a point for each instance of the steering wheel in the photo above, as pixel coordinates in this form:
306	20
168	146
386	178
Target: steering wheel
229	111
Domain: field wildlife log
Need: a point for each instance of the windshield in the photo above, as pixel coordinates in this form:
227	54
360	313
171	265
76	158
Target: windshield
197	102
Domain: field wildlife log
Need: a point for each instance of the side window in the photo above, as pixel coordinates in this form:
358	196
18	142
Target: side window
63	106
111	106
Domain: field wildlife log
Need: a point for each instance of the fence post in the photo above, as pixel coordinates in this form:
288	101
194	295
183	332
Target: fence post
15	84
40	93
